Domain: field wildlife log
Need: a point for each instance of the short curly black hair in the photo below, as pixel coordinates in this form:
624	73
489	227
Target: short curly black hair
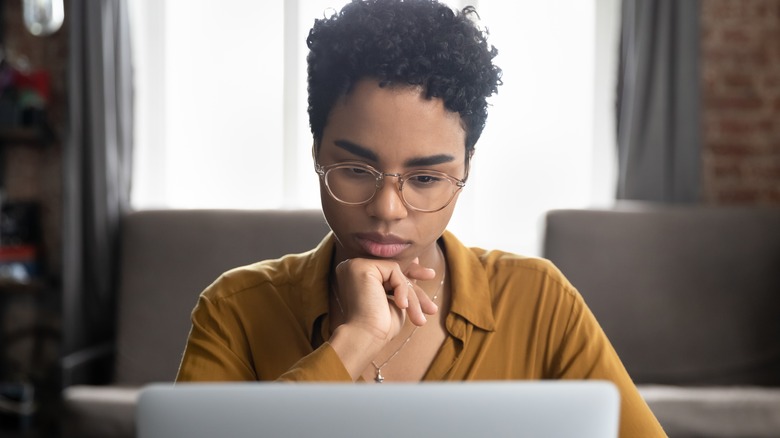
403	42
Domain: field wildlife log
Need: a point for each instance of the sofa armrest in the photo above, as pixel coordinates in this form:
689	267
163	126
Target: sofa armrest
90	365
99	411
732	412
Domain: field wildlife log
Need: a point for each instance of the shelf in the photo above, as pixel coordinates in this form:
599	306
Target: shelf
22	135
11	286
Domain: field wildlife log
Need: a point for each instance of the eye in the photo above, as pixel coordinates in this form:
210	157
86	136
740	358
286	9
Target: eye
354	173
357	171
425	180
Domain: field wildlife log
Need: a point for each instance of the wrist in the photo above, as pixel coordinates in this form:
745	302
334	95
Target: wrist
356	347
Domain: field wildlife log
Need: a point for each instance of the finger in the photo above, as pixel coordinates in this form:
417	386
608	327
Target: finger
418	297
419	272
400	291
409	291
416	271
427	305
402	288
406	297
414	311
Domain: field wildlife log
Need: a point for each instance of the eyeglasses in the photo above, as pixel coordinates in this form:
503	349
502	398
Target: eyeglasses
356	183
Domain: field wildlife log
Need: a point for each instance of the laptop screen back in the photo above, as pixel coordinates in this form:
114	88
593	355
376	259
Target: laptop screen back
473	409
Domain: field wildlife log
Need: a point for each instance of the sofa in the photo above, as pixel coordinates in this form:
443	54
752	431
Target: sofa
689	296
167	258
690	299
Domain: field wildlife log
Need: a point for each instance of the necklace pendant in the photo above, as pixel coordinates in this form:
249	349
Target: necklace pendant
379	378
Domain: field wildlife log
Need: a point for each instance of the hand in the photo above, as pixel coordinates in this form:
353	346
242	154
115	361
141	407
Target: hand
378	296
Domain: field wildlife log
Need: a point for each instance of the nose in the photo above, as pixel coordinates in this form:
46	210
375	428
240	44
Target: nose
387	203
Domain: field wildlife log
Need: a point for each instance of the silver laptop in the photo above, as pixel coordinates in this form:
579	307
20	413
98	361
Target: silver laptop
468	409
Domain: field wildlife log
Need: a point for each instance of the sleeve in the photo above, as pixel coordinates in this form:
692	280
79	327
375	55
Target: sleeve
208	355
218	349
323	365
586	353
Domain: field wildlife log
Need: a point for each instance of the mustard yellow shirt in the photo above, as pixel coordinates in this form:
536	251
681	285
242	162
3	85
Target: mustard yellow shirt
511	317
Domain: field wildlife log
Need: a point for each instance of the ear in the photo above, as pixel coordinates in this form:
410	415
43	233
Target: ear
469	156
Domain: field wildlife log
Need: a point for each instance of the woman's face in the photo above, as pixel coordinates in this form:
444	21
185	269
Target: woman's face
394	130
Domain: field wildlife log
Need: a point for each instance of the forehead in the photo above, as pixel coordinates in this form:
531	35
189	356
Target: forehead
394	122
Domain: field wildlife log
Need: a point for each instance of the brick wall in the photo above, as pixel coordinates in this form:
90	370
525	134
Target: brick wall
740	42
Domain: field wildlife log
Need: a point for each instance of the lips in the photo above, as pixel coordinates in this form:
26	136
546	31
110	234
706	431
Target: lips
382	245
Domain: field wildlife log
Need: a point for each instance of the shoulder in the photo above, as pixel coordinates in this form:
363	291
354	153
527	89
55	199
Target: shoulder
504	272
501	264
525	278
267	276
530	293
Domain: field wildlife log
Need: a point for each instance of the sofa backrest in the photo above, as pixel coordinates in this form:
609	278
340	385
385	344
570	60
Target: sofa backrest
687	295
169	256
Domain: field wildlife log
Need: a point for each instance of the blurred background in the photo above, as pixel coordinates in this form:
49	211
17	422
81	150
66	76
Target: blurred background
174	104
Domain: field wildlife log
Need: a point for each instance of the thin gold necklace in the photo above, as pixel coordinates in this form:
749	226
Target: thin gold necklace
379	378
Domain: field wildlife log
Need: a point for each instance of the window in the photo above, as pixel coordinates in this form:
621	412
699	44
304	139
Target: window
221	111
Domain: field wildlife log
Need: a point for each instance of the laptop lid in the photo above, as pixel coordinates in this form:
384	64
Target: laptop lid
442	409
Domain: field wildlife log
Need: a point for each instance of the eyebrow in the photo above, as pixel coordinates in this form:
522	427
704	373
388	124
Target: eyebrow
356	149
368	154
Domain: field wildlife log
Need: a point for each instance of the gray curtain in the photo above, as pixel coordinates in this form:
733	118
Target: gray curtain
97	171
658	102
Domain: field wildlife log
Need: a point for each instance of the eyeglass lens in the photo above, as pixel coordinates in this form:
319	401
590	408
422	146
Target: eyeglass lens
420	190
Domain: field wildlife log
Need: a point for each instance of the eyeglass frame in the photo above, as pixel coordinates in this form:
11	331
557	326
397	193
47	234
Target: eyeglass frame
322	171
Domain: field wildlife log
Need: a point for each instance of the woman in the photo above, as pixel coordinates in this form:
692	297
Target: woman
397	101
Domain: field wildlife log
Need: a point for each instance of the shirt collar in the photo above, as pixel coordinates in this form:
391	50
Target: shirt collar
470	285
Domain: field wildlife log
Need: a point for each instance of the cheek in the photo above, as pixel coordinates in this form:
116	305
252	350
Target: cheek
340	218
450	209
440	219
329	209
